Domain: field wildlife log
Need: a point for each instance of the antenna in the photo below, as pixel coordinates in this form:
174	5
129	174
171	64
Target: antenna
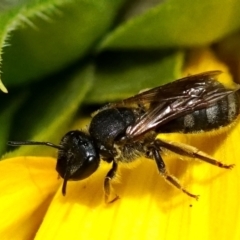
20	143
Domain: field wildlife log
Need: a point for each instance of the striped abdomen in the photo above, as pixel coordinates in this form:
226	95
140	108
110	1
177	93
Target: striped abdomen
221	114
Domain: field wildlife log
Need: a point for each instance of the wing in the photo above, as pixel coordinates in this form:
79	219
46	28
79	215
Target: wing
165	103
169	91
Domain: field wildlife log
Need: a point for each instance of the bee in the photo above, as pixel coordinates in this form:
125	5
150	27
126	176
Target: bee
126	130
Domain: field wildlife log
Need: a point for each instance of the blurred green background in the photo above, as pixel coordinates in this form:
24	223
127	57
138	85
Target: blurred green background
61	59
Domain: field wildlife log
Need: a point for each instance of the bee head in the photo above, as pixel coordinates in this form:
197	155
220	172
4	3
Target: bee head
77	158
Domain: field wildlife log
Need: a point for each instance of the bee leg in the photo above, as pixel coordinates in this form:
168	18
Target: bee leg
190	151
169	178
107	184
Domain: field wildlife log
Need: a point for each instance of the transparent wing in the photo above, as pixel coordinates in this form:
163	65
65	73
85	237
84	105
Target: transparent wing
165	103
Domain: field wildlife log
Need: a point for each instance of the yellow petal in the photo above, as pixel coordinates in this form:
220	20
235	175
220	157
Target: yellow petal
27	186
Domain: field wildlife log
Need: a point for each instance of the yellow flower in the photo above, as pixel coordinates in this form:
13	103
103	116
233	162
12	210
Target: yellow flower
27	188
32	206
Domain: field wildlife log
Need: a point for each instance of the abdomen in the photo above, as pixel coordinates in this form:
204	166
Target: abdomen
222	113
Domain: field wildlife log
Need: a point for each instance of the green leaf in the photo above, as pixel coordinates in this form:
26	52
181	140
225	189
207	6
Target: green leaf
122	74
49	35
177	23
8	109
50	111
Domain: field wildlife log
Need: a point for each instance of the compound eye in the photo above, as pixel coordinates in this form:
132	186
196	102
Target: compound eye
88	167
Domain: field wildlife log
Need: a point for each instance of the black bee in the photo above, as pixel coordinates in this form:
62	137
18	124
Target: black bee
125	130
